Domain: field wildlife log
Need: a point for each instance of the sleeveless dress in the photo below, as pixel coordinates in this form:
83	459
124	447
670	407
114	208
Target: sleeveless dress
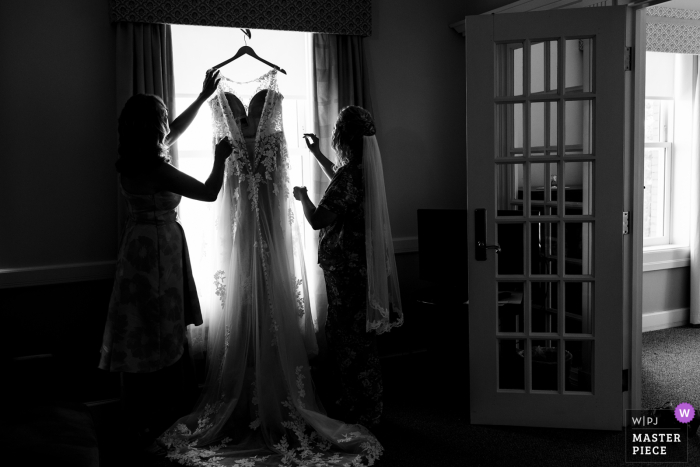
258	406
154	296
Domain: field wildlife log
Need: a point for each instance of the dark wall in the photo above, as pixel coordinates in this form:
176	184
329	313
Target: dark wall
66	321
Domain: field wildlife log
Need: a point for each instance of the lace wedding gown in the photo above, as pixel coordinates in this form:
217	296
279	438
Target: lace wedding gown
258	406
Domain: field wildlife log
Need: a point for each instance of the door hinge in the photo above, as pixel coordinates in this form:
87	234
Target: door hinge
625	223
625	380
629	59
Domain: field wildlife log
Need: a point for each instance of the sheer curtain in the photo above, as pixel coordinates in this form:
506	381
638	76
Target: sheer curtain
339	79
695	202
144	66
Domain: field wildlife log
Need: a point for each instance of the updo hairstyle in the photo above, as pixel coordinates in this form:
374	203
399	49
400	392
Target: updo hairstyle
143	126
353	123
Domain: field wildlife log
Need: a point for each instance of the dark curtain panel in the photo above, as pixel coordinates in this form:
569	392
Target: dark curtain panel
339	79
353	86
144	66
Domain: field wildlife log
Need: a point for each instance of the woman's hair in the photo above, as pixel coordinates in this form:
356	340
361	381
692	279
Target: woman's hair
143	126
353	123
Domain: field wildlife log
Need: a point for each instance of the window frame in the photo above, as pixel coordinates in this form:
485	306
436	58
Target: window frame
665	142
664	239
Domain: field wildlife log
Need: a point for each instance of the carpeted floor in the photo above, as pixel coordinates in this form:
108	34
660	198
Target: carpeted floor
420	431
426	427
671	366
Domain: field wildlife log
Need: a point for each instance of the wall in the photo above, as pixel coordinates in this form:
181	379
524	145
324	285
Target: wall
417	85
417	69
58	133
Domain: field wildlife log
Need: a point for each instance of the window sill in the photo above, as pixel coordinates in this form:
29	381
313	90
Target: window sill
659	257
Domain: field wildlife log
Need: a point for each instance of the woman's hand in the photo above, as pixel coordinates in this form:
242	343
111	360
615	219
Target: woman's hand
183	121
211	81
313	145
223	149
298	190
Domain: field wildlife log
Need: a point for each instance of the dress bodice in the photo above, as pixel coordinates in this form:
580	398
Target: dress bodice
157	208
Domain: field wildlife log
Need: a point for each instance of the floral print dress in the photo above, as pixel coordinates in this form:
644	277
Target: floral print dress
341	255
154	296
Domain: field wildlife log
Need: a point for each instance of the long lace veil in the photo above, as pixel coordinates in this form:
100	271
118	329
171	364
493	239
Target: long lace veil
383	297
258	402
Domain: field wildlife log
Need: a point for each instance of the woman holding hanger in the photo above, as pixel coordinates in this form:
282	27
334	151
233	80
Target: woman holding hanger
154	297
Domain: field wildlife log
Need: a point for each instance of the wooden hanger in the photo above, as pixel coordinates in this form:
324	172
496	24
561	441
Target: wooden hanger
247	50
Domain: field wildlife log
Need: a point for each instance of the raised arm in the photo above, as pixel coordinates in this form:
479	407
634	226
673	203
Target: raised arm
180	124
317	217
169	178
323	161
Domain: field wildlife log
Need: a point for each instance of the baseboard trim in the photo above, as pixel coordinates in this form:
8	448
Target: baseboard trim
102	403
665	319
668	264
56	274
405	245
97	270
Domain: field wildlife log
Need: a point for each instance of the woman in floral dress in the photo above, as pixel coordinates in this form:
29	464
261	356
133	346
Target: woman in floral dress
154	296
363	294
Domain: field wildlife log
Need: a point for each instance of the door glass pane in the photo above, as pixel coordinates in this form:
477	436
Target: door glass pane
511	240
545	299
510	130
545	365
578	248
543	67
578	75
510	307
511	364
543	129
509	74
578	127
578	188
531	241
580	369
578	307
542	177
509	189
543	245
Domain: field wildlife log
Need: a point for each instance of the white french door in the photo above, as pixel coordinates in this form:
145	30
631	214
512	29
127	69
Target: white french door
546	142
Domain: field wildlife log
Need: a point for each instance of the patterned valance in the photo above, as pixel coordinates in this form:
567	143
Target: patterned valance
351	17
679	34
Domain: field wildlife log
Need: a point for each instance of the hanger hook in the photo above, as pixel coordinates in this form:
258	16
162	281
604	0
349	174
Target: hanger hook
246	32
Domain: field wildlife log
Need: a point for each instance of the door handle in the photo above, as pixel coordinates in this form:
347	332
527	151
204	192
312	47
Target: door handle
480	235
489	247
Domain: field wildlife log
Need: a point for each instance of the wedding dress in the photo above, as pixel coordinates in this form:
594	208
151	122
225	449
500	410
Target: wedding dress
258	406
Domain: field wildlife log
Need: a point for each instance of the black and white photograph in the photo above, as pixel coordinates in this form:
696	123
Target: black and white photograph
343	233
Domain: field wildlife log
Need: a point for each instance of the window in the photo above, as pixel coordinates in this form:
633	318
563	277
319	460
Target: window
668	130
198	48
658	160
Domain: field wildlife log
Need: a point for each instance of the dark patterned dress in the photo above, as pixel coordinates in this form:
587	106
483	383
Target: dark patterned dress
341	255
154	296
